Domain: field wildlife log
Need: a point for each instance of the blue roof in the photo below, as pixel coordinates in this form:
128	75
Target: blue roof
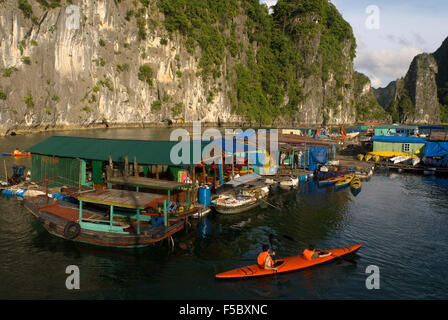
436	149
399	139
432	127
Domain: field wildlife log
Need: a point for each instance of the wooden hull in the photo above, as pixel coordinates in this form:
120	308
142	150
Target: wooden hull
57	226
26	154
178	216
236	209
331	181
289	184
286	265
344	182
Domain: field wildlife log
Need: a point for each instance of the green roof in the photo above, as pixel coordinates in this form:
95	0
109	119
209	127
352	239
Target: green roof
146	152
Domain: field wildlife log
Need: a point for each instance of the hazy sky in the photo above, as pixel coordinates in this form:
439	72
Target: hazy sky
389	34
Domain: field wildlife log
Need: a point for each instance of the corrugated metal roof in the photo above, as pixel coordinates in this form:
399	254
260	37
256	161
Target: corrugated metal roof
146	152
398	139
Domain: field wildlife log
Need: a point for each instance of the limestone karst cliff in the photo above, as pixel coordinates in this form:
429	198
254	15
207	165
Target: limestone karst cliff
92	63
421	96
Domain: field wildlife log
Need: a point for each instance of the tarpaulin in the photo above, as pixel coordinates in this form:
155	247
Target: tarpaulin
436	149
317	155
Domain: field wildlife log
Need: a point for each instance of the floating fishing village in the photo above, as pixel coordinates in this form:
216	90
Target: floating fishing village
129	193
251	150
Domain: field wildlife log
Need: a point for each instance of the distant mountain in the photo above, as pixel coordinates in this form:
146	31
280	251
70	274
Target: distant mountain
422	95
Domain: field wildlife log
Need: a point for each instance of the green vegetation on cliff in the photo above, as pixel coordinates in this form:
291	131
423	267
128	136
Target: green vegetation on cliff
267	78
367	106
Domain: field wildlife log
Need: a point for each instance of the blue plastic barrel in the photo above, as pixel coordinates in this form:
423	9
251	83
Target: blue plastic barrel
204	196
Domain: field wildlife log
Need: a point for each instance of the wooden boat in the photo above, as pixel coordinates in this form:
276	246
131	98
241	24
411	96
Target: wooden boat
288	264
345	181
176	214
118	223
364	175
355	185
242	202
236	205
289	184
22	154
330	181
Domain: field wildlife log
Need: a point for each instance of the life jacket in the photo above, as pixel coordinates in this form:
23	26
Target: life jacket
261	259
16	152
308	254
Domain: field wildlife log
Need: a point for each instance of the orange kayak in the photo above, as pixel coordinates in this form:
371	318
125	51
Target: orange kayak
285	265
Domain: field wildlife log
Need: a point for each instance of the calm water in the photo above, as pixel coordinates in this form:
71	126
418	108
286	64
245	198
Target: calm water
401	220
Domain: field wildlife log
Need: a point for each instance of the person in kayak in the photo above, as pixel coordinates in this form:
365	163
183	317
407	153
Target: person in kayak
16	151
264	259
311	253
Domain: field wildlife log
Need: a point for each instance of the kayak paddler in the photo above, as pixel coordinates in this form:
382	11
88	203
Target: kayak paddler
16	151
311	253
264	259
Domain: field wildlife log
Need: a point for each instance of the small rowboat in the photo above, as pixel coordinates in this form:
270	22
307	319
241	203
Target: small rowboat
289	184
24	154
345	181
330	181
355	185
285	265
231	205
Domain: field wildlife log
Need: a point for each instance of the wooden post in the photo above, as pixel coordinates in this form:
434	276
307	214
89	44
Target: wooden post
126	166
80	212
46	188
204	173
110	169
193	186
138	221
135	167
111	217
157	171
165	218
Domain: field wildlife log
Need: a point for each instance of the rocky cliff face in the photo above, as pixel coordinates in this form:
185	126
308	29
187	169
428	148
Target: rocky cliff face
386	95
77	64
420	96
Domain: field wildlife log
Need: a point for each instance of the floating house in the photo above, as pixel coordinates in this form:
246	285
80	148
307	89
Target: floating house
310	152
427	130
77	161
398	145
395	130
